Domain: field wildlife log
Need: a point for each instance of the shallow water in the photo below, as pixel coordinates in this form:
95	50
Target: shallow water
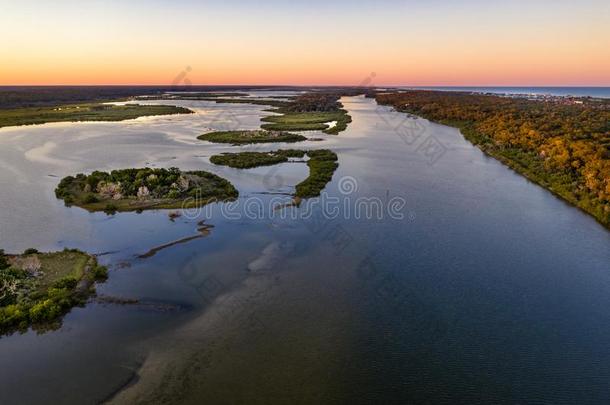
482	287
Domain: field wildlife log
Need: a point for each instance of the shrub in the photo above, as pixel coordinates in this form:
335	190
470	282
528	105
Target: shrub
30	251
100	273
3	262
90	198
110	209
12	315
66	283
44	311
173	194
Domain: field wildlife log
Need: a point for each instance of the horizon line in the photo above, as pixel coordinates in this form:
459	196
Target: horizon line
305	85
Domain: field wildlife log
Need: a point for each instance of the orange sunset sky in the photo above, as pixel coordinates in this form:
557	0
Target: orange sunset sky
544	43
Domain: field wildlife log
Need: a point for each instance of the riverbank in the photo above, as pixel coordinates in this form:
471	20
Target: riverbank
562	145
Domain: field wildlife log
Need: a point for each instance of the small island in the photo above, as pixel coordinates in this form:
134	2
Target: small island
322	164
309	112
254	136
141	189
37	289
248	160
84	112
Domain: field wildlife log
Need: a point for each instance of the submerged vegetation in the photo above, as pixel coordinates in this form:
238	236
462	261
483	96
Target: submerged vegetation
140	189
247	137
37	289
322	165
84	112
308	112
562	144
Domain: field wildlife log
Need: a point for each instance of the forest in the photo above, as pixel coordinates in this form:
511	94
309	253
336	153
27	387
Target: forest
562	143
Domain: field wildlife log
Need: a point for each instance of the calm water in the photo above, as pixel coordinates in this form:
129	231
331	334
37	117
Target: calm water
488	289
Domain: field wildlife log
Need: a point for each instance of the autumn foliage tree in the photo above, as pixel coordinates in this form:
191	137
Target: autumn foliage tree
562	143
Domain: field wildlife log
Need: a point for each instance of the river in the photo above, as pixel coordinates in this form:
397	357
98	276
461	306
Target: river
469	284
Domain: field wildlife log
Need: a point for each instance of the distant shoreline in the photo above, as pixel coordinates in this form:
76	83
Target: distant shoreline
523	91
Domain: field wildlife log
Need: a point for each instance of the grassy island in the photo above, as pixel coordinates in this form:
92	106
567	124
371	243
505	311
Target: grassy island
247	137
37	289
309	112
251	100
247	160
560	143
322	165
140	189
191	95
226	98
84	112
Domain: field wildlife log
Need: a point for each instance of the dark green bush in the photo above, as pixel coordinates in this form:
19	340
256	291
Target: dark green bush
110	209
3	261
66	283
90	198
100	273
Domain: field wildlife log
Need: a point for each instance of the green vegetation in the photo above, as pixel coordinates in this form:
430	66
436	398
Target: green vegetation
562	144
312	121
140	189
322	165
227	98
84	112
309	112
195	95
246	137
37	289
255	101
37	96
247	160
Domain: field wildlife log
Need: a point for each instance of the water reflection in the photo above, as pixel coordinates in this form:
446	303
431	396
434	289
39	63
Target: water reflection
486	284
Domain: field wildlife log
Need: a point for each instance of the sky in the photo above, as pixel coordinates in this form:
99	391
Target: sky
384	42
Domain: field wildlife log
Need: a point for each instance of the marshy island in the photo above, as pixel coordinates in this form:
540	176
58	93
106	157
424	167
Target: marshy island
141	189
322	164
37	289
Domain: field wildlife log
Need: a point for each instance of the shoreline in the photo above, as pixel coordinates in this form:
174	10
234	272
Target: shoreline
518	169
526	136
92	112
